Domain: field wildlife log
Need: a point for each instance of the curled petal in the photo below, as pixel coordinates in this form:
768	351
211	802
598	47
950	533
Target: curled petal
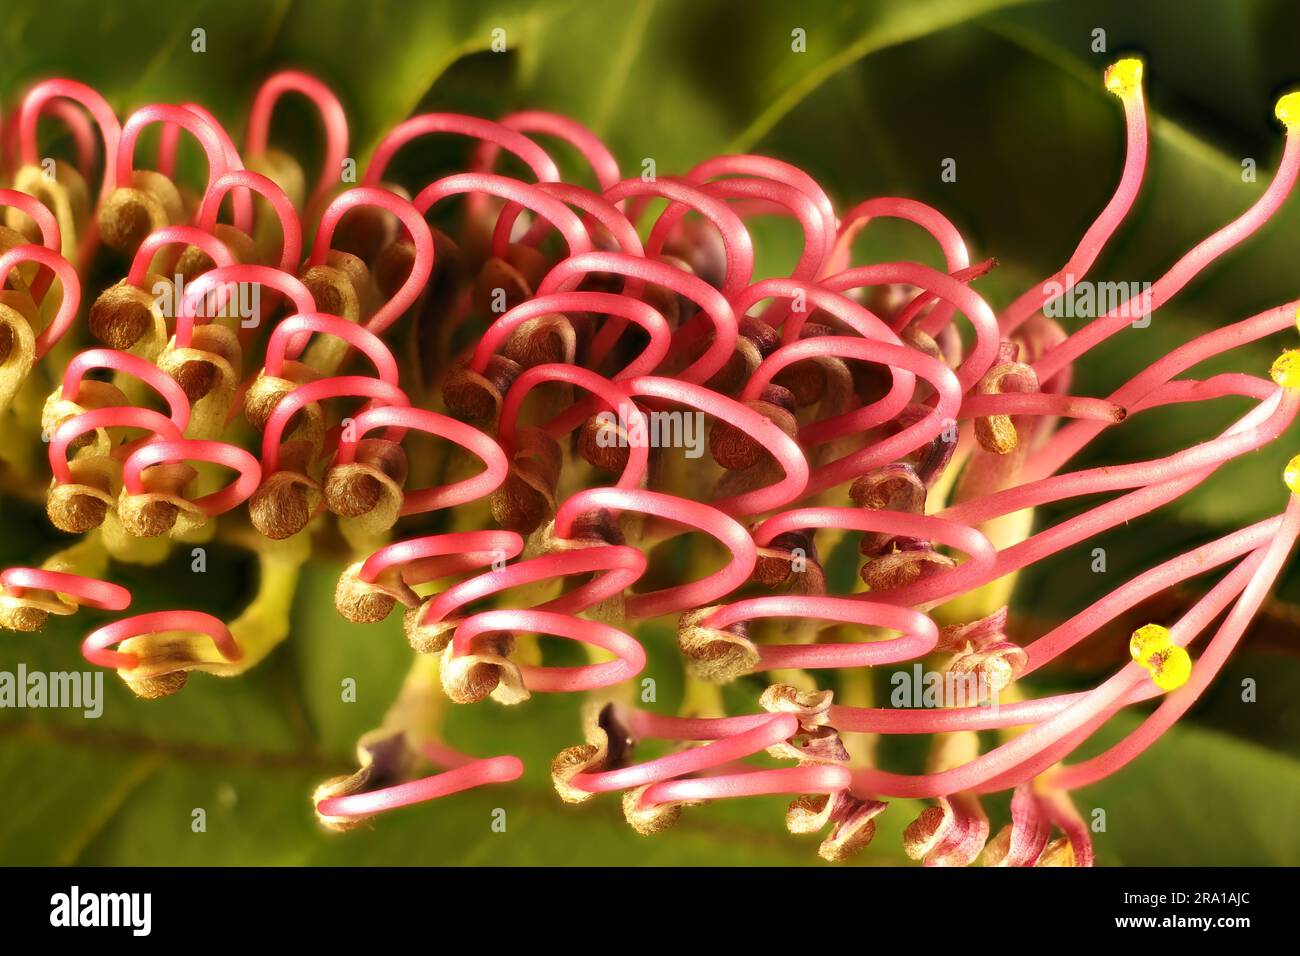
714	654
1024	839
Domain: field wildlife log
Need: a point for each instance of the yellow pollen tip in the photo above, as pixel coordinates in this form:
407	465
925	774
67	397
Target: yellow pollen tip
1291	475
1124	76
1286	369
1288	112
1171	668
1147	640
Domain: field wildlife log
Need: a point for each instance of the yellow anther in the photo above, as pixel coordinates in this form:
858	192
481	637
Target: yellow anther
1124	76
1286	369
1288	111
1170	668
1147	640
1291	475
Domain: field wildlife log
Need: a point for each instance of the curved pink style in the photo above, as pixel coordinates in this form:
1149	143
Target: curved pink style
88	592
431	423
187	449
210	292
333	118
475	774
635	311
305	324
689	514
95	648
721	751
149	373
159	426
246	180
51	238
1182	272
606	393
597	208
428	124
159	239
739	249
619	567
434	556
512	190
630	656
41	95
197	126
569	273
66	274
598	157
896	446
416	228
1099	233
338	386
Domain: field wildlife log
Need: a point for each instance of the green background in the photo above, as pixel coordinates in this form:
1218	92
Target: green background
885	92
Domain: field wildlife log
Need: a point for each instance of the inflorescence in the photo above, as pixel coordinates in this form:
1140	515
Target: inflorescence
296	366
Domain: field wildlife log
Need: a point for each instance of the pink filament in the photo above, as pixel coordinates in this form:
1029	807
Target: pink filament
95	648
88	592
333	118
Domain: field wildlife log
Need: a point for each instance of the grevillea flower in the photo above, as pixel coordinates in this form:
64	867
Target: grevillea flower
491	419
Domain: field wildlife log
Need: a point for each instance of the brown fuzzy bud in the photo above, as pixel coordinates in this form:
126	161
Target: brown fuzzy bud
159	508
130	213
157	686
364	230
652	819
734	448
527	497
992	668
811	707
193	261
207	365
284	503
714	654
484	671
123	314
997	433
426	637
901	568
265	394
339	286
386	760
22	617
378	473
393	266
698	243
365	602
609	744
806	381
775	564
544	339
736	371
474	397
568	763
602	443
499	288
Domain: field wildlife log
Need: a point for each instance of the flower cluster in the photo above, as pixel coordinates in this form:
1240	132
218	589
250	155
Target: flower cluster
466	411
